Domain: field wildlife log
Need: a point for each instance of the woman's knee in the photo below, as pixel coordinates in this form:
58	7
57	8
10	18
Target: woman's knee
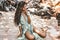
29	36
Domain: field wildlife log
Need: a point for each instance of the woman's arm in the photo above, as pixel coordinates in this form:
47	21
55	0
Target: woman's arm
20	31
29	36
41	32
29	20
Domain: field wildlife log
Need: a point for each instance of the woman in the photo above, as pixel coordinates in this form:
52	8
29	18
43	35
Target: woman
22	19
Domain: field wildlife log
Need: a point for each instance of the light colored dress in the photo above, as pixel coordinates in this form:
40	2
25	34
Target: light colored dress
29	28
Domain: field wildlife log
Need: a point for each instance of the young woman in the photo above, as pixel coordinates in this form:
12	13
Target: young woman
22	19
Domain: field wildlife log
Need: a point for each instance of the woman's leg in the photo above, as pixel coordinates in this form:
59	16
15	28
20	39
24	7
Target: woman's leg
29	36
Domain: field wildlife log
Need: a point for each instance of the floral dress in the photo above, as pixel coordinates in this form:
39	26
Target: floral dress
27	27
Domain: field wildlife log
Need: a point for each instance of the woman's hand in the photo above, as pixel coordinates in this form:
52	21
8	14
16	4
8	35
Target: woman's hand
18	35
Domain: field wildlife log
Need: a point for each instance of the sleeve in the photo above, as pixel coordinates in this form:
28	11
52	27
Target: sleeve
19	24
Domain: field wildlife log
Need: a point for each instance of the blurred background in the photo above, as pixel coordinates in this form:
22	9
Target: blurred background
45	14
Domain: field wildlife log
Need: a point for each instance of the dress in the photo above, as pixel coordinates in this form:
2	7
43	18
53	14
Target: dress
27	27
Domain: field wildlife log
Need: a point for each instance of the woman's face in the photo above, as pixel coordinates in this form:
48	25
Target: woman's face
24	8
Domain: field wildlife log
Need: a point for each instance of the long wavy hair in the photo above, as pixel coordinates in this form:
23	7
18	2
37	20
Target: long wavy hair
18	12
